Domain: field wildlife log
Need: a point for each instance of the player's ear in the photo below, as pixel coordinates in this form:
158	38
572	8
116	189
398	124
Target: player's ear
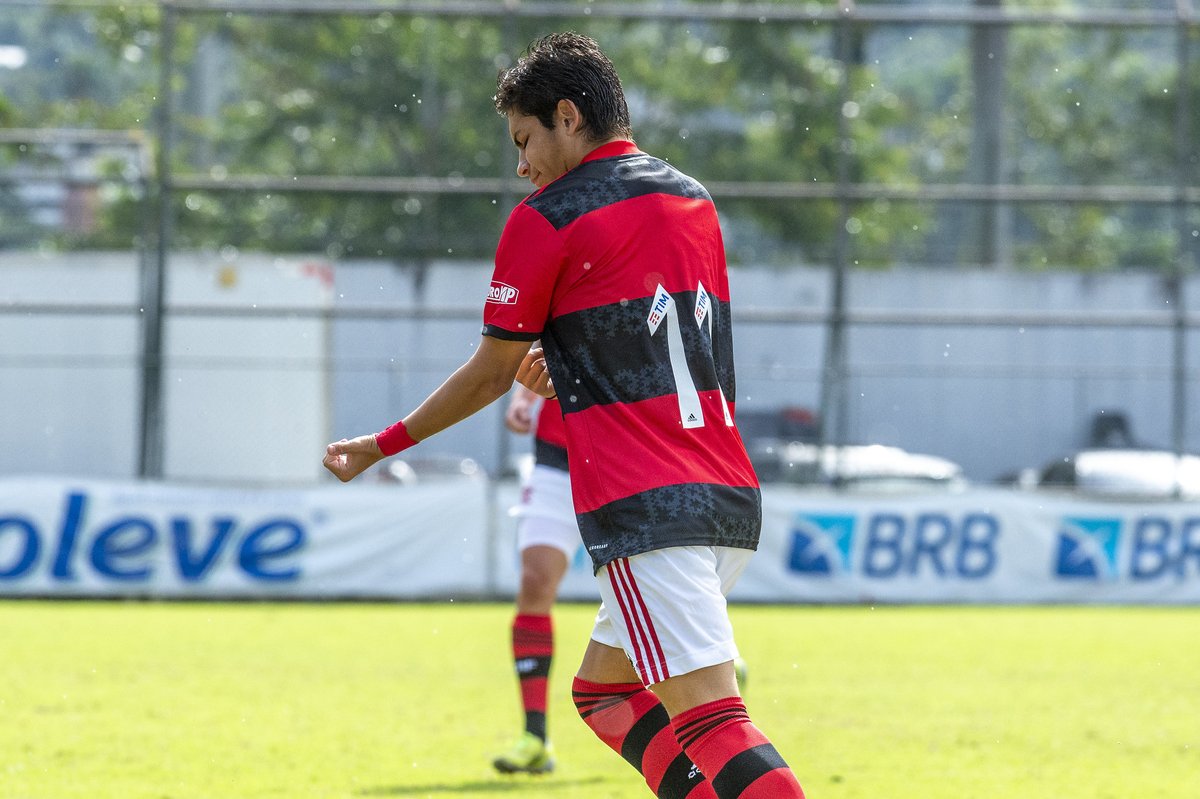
570	116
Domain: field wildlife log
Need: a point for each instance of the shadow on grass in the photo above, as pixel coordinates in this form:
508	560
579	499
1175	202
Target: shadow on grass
516	785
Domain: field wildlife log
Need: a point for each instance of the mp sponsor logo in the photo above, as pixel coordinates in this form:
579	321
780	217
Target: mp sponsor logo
135	547
888	545
1143	548
502	293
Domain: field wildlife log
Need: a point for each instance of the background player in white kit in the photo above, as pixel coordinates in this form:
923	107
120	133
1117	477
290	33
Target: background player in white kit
547	539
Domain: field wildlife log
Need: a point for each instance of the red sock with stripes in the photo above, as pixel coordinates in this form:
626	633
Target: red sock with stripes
737	758
533	648
635	725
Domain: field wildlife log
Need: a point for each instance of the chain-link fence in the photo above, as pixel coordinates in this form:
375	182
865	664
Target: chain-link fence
230	231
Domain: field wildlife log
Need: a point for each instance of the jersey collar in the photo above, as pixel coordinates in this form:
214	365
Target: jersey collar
610	150
613	148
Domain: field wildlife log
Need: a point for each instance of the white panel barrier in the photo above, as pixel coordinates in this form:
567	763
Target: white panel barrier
980	545
89	538
454	538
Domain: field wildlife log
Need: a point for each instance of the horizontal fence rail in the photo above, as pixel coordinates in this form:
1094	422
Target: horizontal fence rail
748	315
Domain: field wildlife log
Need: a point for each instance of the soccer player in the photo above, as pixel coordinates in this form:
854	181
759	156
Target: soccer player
547	538
616	263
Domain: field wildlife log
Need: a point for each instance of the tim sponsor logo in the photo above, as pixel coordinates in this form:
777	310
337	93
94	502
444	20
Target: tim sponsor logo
659	307
891	545
502	293
1142	549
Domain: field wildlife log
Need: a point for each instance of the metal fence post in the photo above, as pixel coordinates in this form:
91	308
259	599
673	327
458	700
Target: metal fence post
150	462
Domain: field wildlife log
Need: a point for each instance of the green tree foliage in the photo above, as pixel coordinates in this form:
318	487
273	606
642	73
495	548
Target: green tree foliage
411	96
1103	115
407	96
402	96
757	102
347	96
1084	106
85	68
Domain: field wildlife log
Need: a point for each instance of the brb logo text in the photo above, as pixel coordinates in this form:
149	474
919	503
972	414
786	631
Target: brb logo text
1145	548
129	548
889	545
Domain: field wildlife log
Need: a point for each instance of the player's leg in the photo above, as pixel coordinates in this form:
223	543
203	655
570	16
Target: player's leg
547	536
674	626
542	570
717	733
632	721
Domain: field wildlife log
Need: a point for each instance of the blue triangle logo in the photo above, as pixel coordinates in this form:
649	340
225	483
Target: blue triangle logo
1087	548
822	544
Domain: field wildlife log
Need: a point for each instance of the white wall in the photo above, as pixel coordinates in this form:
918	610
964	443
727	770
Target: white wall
246	398
994	399
254	399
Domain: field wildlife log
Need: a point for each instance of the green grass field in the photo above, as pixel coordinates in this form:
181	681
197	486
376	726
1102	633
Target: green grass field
221	701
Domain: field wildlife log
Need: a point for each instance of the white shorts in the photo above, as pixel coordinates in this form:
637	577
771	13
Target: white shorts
546	514
667	608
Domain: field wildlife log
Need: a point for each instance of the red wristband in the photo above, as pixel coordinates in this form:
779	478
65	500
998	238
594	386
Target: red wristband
394	439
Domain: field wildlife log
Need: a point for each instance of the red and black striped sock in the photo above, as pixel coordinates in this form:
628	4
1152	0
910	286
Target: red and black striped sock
635	725
737	758
533	648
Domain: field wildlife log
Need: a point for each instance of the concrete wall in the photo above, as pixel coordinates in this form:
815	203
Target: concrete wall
994	399
246	399
254	399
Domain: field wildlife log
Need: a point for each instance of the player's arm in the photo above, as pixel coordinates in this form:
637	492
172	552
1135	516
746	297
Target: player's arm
519	416
484	378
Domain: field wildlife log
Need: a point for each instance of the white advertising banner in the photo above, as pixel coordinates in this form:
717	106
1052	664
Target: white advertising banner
980	545
455	538
90	538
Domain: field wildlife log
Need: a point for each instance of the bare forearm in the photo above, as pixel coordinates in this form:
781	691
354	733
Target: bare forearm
480	381
466	392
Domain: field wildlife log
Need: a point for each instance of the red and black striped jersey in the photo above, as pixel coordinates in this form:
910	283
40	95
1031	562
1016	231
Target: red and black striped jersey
550	437
619	268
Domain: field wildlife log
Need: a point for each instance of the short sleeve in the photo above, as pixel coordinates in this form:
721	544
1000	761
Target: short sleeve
528	261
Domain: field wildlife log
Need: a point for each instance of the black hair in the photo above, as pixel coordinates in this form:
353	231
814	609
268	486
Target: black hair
566	66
